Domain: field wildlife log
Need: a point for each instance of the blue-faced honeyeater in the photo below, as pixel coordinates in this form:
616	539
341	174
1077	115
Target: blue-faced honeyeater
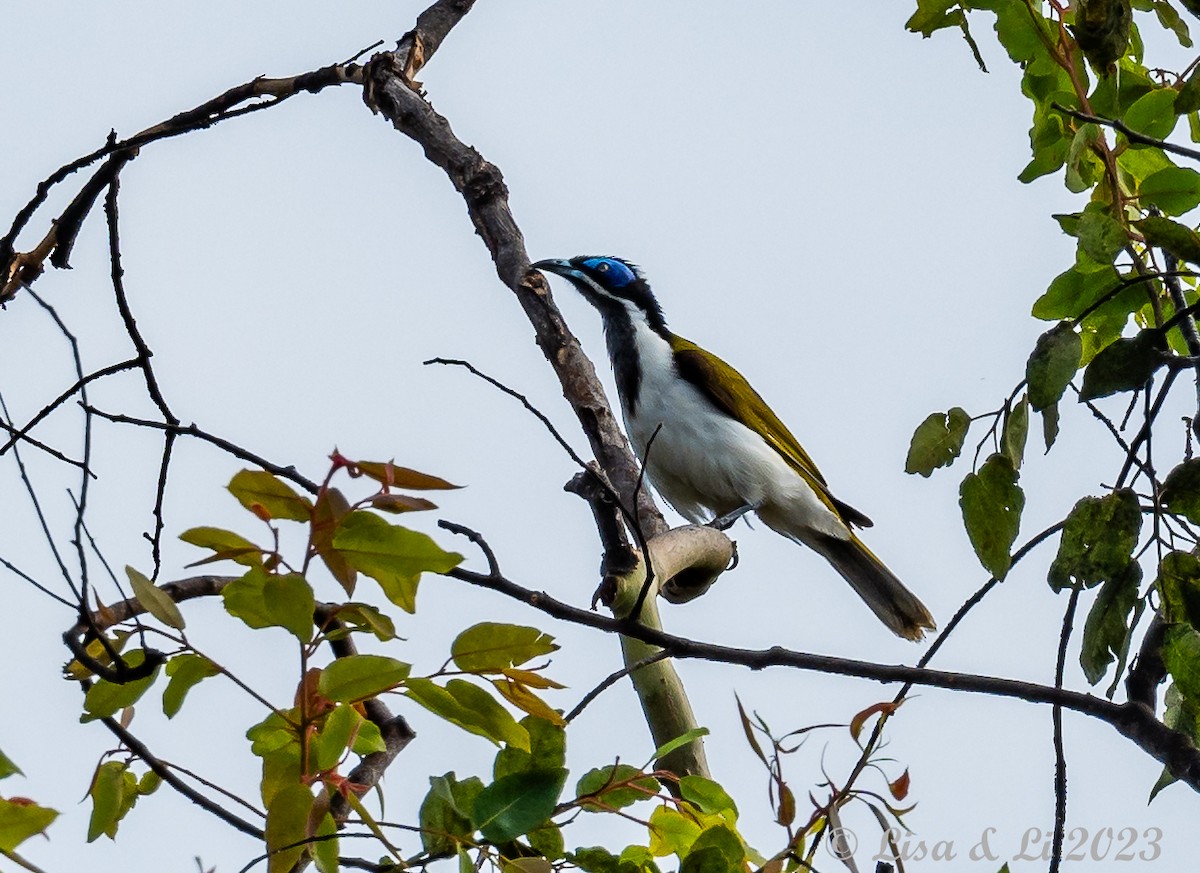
716	450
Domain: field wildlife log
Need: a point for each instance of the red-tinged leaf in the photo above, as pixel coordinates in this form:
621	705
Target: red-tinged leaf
330	509
749	731
856	723
899	788
260	492
392	476
785	814
398	503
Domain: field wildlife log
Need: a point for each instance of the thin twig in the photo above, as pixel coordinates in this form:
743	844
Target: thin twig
610	680
1131	135
131	364
290	473
1060	758
162	770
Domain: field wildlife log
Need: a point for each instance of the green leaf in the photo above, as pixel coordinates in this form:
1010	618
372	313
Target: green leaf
937	441
1106	631
1153	114
1171	20
287	825
1178	585
991	502
325	851
1181	491
491	647
1188	100
227	545
1125	365
679	742
186	670
1101	236
717	848
106	698
1182	242
1052	365
336	736
1181	655
672	832
1174	190
1019	32
1050	425
358	677
1182	715
1016	433
934	15
1097	541
365	617
149	783
445	814
517	804
547	749
393	556
1143	162
20	820
368	740
471	708
269	497
1074	291
262	599
594	859
548	841
1050	143
1083	166
708	797
154	600
113	792
615	786
7	767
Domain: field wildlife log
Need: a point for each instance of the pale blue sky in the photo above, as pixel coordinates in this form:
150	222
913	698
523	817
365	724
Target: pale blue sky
824	200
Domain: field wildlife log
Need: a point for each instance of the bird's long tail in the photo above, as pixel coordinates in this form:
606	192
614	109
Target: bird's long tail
896	606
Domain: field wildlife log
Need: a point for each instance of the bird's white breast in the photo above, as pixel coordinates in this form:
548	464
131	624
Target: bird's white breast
705	463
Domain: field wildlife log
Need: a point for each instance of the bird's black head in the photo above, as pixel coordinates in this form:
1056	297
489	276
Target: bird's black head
615	287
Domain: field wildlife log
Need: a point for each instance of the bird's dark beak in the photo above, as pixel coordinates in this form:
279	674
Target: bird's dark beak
557	266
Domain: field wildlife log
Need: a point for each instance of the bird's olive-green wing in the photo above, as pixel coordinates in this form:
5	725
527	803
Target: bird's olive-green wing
731	393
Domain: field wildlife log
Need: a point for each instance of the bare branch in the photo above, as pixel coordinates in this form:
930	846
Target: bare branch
1170	747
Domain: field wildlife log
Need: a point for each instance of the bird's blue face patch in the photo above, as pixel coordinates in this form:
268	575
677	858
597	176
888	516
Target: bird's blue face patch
616	273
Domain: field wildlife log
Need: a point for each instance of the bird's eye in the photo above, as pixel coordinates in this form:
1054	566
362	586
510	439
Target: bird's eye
602	266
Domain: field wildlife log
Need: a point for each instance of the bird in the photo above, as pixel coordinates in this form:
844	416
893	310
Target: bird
714	449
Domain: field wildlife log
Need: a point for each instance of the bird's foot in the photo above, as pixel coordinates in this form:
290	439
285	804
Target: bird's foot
726	521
